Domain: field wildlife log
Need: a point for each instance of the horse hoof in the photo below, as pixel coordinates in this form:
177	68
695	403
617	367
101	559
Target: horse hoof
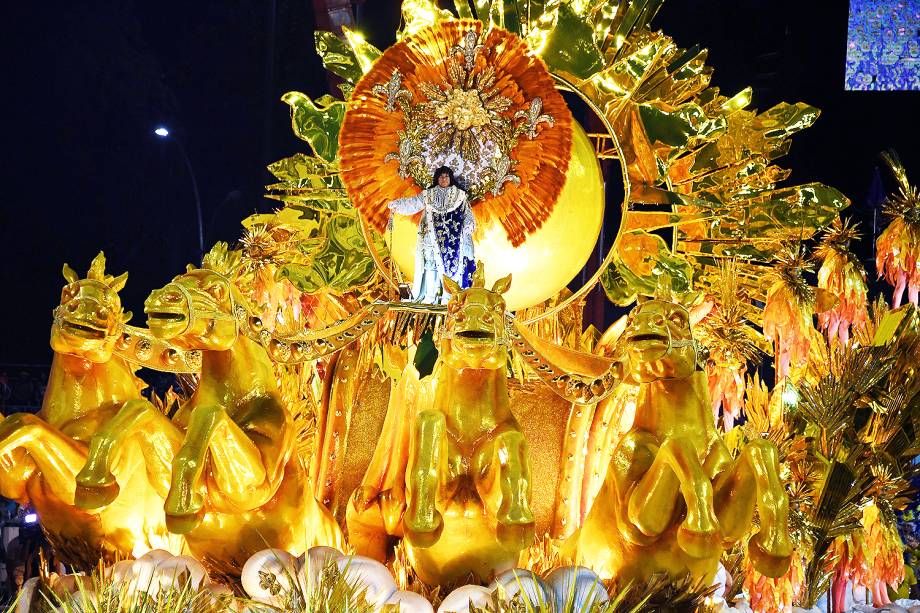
768	564
635	536
516	537
422	540
183	524
699	544
91	497
422	534
184	510
364	498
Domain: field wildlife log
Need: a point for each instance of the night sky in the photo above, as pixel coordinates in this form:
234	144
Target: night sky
88	82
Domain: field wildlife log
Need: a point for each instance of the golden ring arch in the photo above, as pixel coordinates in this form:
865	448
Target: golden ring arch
566	86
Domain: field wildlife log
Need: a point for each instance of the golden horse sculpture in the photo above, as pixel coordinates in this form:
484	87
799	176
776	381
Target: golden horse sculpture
673	496
89	384
237	484
467	480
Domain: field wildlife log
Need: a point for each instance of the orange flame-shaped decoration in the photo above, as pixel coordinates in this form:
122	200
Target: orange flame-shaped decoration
843	276
898	247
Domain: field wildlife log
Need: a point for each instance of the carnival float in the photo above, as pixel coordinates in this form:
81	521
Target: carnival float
742	439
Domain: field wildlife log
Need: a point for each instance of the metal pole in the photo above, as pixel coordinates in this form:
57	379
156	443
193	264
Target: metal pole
191	174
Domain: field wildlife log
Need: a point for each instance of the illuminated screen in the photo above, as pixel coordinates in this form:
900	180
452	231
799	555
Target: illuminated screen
883	45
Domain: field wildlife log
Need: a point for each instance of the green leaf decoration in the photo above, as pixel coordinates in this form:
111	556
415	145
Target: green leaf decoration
338	57
318	122
570	47
622	284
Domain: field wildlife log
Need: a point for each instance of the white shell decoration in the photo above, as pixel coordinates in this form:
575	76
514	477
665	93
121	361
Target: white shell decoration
410	602
312	563
175	572
120	571
157	570
157	555
216	592
140	577
80	601
371	574
460	599
740	606
576	588
524	582
722	579
269	575
63	585
26	594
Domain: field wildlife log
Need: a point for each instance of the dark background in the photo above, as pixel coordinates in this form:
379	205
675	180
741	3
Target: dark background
88	82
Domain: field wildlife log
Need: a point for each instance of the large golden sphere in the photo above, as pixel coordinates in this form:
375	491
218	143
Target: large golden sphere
549	258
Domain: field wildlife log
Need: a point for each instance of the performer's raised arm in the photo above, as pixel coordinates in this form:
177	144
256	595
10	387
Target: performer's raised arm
408	206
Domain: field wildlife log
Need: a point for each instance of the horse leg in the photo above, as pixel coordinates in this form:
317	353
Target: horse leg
141	422
501	473
237	469
16	468
754	478
27	444
502	476
652	503
427	468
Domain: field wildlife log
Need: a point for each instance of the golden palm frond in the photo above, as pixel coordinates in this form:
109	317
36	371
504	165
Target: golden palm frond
887	490
878	310
906	351
891	428
837	239
661	594
100	594
733	562
836	513
842	383
724	330
544	556
905	204
764	413
789	269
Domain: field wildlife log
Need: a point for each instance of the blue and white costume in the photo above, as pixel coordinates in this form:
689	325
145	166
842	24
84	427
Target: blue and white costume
445	240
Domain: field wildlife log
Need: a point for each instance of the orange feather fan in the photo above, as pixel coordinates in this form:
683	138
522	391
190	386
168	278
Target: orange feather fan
370	131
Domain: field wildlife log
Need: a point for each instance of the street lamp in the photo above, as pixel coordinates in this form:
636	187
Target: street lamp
163	132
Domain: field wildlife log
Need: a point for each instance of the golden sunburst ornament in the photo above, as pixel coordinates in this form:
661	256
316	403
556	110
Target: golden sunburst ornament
477	101
697	165
263	246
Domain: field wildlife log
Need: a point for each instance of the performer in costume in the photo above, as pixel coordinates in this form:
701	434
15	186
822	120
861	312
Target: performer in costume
445	236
